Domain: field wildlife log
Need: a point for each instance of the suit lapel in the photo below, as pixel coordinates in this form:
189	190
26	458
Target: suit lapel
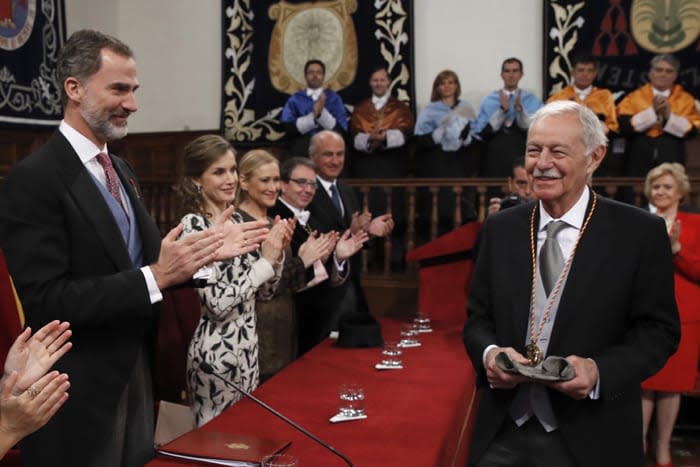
520	261
89	200
324	211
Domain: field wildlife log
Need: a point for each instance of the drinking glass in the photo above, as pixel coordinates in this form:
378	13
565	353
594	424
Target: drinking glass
352	400
391	354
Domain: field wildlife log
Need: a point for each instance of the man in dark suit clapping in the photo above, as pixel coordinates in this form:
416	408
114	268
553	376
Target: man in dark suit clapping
571	275
82	247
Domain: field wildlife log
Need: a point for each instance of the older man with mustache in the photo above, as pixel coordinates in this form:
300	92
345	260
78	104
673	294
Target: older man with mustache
572	275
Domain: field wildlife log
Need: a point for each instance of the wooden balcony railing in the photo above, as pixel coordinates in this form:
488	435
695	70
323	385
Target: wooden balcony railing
158	196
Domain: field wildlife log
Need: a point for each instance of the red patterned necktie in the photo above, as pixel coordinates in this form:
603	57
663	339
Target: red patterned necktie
111	176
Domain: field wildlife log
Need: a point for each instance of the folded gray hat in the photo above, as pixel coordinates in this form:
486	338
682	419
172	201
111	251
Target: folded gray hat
550	369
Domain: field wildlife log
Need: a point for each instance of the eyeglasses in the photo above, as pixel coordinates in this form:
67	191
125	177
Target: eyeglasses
302	182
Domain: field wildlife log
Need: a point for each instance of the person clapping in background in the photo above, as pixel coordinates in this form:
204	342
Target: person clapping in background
29	394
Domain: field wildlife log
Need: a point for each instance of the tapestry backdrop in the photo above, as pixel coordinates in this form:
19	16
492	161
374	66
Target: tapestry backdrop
31	33
266	43
624	35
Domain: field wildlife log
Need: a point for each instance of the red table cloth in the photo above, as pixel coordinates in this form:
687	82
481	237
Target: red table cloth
419	416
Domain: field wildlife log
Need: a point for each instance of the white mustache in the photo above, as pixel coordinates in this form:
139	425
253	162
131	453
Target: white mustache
549	173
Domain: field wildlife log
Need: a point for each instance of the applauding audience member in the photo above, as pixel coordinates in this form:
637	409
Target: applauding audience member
276	315
443	136
657	118
29	394
504	117
666	185
226	336
299	185
313	109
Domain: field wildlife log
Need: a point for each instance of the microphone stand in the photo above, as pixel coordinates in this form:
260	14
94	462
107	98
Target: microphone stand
207	368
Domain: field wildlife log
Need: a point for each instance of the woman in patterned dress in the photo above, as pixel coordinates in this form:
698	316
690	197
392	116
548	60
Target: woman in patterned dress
226	336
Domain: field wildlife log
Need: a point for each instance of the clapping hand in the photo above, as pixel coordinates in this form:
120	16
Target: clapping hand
360	221
381	226
517	104
319	104
661	107
349	244
314	248
277	240
31	357
674	235
505	100
240	238
22	413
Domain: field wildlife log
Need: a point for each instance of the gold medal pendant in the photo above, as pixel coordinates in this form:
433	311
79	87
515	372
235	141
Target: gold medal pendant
533	354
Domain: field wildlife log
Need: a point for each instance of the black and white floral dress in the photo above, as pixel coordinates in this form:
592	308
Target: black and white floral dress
226	336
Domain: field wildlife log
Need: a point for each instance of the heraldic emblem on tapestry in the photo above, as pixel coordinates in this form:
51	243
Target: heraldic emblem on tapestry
304	31
665	27
623	35
31	32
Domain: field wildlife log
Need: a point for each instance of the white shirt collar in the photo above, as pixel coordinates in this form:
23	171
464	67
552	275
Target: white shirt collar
510	93
573	217
583	93
326	184
314	94
665	93
380	102
85	148
301	214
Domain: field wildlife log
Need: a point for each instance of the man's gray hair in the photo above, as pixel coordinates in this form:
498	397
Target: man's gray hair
668	58
593	133
313	144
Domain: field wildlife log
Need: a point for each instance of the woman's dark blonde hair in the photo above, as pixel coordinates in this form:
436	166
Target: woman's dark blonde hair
249	163
200	154
674	169
444	74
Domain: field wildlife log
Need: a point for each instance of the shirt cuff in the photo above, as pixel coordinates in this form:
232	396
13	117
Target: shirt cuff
522	118
642	121
326	120
261	271
154	293
595	392
306	123
361	142
394	138
339	265
486	351
497	119
438	133
677	126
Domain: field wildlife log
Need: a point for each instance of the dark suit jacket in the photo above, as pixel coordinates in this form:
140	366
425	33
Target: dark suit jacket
617	308
70	262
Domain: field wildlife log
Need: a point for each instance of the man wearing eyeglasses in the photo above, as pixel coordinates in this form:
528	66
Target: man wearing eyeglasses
298	187
313	109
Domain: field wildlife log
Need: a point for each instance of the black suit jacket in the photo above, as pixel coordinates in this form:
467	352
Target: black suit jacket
69	262
617	307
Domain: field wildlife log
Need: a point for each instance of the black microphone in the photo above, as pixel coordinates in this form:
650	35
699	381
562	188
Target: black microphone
207	368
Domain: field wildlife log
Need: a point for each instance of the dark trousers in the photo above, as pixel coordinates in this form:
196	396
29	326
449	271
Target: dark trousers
526	446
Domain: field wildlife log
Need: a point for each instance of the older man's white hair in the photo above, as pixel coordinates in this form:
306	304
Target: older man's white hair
593	132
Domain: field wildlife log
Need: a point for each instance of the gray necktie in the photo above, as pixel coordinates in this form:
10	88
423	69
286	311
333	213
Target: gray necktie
551	257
